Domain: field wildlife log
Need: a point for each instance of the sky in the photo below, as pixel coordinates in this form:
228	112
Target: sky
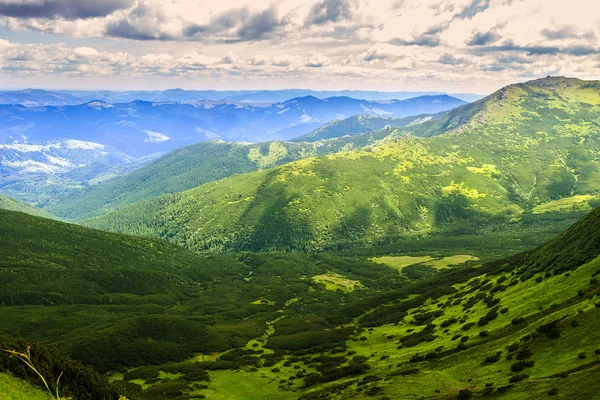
391	45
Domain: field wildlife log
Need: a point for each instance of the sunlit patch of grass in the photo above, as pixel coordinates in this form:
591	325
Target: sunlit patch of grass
451	260
12	388
579	202
400	262
334	282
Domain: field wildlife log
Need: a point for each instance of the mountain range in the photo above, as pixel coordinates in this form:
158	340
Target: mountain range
40	97
524	152
451	255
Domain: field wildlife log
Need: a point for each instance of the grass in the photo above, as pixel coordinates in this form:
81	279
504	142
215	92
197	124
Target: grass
226	385
334	282
12	388
580	202
446	262
401	262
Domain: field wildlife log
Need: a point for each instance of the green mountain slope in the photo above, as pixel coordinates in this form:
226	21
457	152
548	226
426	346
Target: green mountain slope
193	166
357	125
308	326
529	152
515	328
6	203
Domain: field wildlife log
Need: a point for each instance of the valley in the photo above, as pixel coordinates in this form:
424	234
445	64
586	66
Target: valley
451	255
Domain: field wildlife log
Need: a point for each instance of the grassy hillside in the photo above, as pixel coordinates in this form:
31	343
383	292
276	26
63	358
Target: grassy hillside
356	125
75	381
170	323
527	153
117	302
193	166
13	388
6	203
509	329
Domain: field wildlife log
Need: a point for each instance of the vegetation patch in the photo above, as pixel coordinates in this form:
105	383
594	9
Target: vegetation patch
335	282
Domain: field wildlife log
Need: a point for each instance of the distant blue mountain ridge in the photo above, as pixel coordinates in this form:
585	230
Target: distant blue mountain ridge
34	97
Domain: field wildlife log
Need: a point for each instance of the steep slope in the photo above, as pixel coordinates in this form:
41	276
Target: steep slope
115	301
192	166
6	203
308	326
522	154
355	125
76	381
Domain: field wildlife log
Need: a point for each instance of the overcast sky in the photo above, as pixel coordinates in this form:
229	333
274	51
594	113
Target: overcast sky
444	45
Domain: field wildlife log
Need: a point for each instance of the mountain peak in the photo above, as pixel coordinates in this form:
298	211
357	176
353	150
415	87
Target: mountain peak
558	81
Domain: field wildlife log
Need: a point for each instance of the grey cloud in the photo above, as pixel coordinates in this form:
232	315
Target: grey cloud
566	32
259	26
483	38
514	59
580	50
474	8
66	9
421	40
139	24
248	26
220	23
329	11
449	59
429	38
538	50
373	55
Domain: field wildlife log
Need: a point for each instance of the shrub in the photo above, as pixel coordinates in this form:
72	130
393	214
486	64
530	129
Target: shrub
553	392
491	315
550	329
521	365
147	373
467	326
518	378
492	359
464	394
524	354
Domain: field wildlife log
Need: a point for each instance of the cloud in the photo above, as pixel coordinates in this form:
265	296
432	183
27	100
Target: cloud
449	59
374	54
237	25
258	26
229	58
321	43
473	8
142	23
566	32
220	23
419	40
67	9
329	11
315	59
483	38
541	50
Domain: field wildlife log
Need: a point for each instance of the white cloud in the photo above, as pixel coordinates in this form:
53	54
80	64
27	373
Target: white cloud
410	44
